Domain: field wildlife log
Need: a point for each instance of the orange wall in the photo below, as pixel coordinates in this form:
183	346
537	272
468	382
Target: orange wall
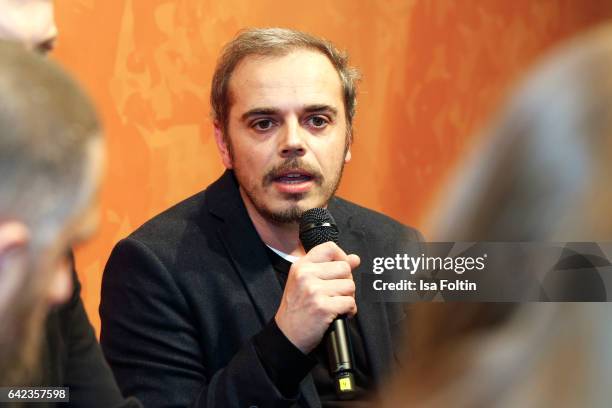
433	71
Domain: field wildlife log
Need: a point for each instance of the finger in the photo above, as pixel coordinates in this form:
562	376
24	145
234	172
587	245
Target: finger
338	287
353	260
326	252
343	305
332	270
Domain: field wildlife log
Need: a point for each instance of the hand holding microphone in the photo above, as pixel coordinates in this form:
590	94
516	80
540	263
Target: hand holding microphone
319	294
319	288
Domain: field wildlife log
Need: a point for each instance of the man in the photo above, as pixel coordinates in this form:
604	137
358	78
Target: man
71	355
214	303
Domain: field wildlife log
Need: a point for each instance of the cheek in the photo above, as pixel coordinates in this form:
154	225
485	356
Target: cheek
330	145
254	160
331	156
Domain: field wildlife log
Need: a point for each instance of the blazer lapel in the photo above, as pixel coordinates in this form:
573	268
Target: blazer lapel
309	393
246	250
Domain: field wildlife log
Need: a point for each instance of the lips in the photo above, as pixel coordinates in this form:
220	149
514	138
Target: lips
293	181
293	177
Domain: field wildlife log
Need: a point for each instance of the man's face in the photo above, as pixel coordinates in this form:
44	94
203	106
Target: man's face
30	22
287	133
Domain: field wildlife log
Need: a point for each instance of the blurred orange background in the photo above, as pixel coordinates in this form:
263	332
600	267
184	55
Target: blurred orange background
433	71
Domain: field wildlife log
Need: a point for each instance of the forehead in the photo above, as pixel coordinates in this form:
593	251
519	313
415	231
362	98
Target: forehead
28	21
298	79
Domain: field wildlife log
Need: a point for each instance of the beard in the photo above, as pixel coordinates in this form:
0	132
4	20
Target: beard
293	210
289	215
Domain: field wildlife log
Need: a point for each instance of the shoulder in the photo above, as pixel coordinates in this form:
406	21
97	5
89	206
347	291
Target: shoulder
174	220
370	222
195	218
170	235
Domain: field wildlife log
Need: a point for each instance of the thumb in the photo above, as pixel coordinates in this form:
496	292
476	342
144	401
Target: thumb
354	261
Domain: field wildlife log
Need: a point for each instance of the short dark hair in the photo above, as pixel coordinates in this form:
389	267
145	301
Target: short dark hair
277	42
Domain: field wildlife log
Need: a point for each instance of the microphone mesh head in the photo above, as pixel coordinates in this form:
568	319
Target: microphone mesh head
316	227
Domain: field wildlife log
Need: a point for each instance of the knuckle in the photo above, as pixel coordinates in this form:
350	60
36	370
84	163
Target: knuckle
295	269
351	285
330	248
346	268
329	245
311	290
301	276
351	305
318	303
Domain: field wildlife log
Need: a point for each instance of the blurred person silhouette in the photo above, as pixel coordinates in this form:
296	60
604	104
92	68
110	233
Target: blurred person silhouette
69	354
50	160
540	174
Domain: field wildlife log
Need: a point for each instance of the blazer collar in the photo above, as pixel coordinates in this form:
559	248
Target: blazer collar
245	247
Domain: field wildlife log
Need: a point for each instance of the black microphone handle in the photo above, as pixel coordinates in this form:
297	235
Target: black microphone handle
316	227
340	352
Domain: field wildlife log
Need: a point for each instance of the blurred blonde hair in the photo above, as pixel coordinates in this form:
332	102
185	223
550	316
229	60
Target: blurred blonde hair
542	169
542	173
48	129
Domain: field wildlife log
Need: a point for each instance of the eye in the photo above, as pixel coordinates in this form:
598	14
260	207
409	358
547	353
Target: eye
318	121
45	47
263	124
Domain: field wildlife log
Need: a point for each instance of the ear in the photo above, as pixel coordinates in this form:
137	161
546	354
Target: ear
347	156
13	234
226	157
13	237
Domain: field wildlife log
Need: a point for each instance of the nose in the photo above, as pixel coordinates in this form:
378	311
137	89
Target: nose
292	140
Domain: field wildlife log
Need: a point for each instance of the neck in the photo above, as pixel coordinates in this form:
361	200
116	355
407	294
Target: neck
281	236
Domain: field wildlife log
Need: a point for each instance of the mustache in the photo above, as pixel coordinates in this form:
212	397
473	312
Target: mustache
294	163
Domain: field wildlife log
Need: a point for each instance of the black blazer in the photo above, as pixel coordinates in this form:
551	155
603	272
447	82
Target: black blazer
184	294
71	357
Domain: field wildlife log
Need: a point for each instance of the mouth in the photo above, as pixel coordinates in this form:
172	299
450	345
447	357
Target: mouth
294	181
293	177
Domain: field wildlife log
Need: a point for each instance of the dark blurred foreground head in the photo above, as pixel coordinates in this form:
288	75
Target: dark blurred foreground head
543	170
50	163
542	173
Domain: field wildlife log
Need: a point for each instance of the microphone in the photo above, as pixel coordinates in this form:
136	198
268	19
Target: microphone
316	227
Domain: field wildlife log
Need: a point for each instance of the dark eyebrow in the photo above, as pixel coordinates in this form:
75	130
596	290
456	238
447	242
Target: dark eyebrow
258	112
321	108
271	111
